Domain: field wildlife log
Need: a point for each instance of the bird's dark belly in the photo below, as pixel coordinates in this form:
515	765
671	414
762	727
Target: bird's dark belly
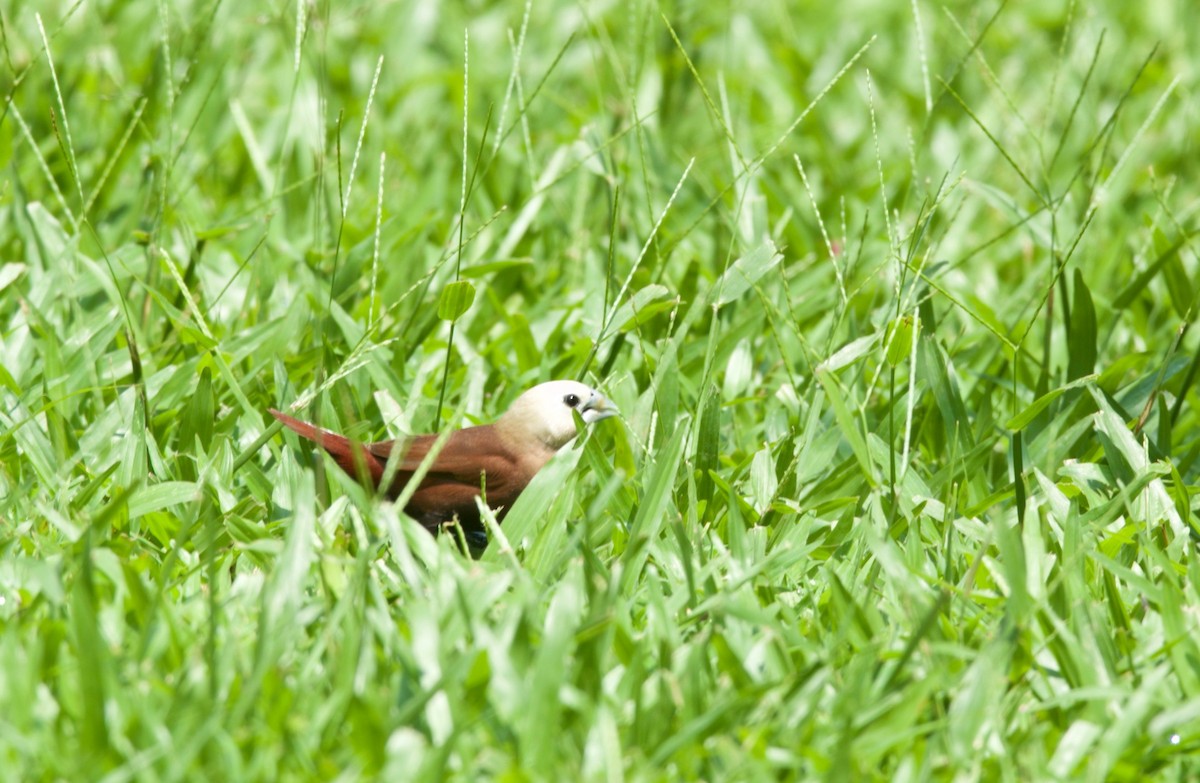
435	515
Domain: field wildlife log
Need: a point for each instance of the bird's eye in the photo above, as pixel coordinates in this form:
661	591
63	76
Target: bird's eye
571	400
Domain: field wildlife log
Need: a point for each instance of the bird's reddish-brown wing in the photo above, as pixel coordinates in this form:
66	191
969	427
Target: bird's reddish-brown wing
471	460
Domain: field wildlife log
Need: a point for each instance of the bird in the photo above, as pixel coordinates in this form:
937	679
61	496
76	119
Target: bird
495	461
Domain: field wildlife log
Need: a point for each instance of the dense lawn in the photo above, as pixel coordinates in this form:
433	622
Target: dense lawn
894	297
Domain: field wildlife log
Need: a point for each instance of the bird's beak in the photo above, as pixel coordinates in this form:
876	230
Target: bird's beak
597	408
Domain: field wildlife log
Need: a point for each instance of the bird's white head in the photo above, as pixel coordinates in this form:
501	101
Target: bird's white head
544	413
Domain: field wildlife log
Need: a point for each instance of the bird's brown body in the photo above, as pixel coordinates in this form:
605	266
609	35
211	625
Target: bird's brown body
473	461
494	461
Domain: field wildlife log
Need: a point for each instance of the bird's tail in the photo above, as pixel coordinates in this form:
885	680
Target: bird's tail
342	449
315	434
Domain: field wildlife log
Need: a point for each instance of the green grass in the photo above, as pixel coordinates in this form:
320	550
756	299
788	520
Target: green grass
895	300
